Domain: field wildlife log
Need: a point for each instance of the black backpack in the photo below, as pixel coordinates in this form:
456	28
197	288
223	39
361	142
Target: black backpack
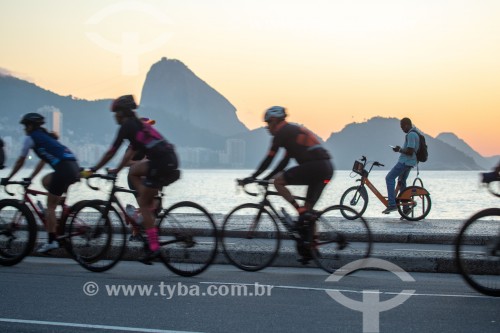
422	153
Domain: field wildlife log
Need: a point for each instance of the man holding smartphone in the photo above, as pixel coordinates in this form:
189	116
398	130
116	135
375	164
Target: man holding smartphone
407	160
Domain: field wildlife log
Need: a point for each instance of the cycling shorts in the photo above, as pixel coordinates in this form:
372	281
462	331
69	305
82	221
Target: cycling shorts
65	173
316	174
162	172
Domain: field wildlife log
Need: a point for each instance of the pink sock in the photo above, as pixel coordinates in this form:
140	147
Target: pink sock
153	239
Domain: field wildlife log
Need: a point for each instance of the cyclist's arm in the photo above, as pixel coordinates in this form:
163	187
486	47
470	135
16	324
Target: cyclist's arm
283	163
112	151
37	169
126	159
27	145
267	161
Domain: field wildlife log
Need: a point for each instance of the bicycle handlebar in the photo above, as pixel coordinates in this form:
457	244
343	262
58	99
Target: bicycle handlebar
109	176
26	182
243	184
375	163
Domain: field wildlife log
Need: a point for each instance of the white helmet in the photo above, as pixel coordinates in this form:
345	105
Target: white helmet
275	112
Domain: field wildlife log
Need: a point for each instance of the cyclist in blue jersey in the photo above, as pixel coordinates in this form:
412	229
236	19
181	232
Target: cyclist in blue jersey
314	168
158	169
59	157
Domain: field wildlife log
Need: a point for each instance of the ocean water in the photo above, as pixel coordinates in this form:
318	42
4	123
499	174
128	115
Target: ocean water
454	194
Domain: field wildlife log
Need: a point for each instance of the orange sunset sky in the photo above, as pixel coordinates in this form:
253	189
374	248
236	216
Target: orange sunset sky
329	62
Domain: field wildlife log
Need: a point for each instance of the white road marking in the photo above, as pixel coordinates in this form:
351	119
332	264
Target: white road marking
101	327
349	290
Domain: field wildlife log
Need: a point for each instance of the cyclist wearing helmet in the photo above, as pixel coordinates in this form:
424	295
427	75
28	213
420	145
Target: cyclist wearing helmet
314	165
148	175
59	157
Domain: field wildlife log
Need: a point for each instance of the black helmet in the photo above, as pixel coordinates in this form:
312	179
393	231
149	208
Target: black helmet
32	118
124	103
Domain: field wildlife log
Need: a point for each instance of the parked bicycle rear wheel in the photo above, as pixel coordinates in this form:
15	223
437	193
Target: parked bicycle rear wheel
188	238
355	197
250	237
96	240
477	251
337	242
17	232
416	205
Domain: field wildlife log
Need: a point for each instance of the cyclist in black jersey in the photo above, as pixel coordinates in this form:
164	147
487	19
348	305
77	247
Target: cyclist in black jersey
59	157
314	168
158	169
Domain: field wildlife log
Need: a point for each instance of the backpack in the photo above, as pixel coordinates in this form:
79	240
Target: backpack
422	153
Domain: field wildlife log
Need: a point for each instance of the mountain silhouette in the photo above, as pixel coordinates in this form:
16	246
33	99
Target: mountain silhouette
373	138
454	141
191	114
172	89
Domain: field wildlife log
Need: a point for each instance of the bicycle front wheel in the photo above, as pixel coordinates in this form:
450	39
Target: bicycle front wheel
96	239
17	232
477	251
336	241
250	237
188	238
356	198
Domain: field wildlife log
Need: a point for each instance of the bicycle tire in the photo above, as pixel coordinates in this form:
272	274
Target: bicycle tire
355	197
421	206
188	238
336	242
96	242
480	268
250	250
16	242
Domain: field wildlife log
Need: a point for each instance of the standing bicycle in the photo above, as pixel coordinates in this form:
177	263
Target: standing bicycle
251	236
187	234
413	204
477	247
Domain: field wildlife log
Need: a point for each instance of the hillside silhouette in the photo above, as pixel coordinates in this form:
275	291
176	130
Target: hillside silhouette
192	114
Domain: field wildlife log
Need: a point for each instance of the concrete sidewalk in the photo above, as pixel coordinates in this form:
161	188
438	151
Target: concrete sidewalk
423	246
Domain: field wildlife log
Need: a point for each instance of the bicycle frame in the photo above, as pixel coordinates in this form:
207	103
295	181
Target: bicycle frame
266	203
28	201
402	196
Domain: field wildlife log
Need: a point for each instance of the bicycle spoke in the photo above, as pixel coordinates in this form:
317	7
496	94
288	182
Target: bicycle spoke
97	242
188	239
250	243
17	232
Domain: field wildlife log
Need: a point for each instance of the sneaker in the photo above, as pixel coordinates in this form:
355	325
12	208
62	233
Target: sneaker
149	256
390	209
48	247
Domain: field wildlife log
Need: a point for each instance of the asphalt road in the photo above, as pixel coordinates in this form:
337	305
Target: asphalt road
57	295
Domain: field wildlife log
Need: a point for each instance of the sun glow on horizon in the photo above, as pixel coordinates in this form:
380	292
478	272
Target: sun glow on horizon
330	63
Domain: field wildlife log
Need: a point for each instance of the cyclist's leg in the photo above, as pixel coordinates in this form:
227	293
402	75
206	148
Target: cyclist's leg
315	174
57	183
156	171
280	183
